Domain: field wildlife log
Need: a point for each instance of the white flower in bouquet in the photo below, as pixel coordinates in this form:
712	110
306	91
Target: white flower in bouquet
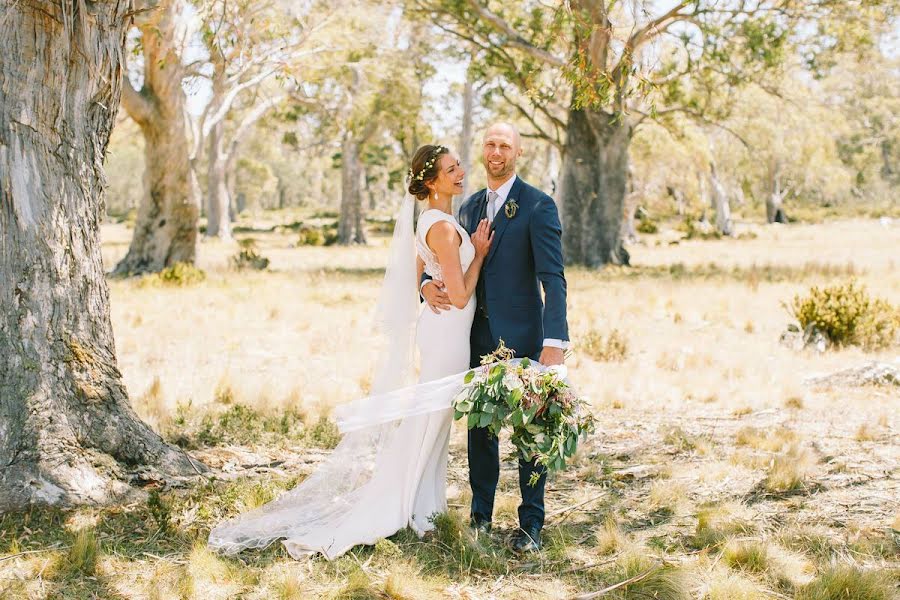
512	382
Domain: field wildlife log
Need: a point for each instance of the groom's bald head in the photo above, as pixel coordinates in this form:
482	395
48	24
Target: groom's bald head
501	147
505	130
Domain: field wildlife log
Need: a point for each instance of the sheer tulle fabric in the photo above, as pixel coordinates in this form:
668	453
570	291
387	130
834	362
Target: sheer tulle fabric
389	470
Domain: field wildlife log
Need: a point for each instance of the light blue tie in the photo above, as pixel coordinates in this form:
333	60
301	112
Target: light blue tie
492	205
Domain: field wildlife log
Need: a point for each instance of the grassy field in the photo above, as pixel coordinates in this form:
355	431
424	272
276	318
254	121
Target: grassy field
717	471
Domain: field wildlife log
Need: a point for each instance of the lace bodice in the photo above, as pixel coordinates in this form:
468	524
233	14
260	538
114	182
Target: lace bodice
466	250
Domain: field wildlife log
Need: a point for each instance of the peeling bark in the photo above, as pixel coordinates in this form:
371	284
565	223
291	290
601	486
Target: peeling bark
68	433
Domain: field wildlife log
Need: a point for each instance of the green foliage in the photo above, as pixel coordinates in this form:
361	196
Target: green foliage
847	315
611	348
241	424
324	434
318	236
249	257
546	417
647	225
848	583
180	274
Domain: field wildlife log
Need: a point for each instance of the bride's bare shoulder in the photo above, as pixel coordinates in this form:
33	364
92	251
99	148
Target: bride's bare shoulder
442	232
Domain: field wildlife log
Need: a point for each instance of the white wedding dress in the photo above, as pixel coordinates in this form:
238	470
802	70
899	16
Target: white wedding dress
390	468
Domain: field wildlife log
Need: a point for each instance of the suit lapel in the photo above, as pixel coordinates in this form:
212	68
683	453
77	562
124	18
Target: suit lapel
477	212
501	220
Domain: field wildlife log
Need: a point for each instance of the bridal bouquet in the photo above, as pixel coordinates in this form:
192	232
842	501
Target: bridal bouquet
545	414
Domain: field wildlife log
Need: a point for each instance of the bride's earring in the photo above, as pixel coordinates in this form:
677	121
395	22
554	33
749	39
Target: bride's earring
435	195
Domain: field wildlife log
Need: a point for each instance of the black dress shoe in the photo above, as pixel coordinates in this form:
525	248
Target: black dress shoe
481	527
527	540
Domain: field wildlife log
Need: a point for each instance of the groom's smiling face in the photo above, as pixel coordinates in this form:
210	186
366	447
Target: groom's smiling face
499	151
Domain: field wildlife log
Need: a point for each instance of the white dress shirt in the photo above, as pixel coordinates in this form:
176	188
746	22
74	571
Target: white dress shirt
493	208
502	193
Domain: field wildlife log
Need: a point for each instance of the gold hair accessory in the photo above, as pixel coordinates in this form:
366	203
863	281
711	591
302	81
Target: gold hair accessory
438	150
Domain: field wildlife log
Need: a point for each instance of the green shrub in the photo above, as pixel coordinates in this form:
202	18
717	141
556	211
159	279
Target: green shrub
311	236
318	236
241	424
847	315
324	434
180	274
647	226
249	257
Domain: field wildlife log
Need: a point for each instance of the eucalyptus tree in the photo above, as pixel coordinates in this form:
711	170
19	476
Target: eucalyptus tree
594	70
68	433
256	54
166	227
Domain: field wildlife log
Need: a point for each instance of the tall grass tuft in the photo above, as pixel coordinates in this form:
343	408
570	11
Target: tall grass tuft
747	556
459	550
660	582
358	586
716	523
790	471
81	558
848	583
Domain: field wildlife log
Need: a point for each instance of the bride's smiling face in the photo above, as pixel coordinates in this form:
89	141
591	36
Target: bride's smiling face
450	176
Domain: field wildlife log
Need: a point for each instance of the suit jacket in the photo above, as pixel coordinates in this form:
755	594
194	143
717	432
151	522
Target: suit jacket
526	254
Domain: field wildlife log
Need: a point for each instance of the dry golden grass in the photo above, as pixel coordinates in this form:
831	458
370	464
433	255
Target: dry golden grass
791	471
243	367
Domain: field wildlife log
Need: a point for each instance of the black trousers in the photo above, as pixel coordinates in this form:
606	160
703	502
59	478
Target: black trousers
484	455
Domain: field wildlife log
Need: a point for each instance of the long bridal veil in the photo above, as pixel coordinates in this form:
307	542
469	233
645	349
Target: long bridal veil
319	504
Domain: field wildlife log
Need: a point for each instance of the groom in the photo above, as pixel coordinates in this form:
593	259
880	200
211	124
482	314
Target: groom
527	249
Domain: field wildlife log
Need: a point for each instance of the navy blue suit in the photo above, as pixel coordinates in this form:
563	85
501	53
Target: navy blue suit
526	254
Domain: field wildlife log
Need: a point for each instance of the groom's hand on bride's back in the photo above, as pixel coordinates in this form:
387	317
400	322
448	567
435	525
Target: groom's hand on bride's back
436	296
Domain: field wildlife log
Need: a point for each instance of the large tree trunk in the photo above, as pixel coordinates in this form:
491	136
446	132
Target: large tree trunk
592	188
166	227
67	430
218	217
351	223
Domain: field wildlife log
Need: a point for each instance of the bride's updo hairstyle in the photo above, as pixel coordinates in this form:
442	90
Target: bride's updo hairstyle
424	169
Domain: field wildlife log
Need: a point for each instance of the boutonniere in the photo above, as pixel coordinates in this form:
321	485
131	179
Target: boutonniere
511	208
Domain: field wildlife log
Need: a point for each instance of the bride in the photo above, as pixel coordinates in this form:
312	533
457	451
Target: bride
390	468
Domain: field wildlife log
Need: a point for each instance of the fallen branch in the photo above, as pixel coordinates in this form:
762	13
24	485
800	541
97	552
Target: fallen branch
574	506
604	591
